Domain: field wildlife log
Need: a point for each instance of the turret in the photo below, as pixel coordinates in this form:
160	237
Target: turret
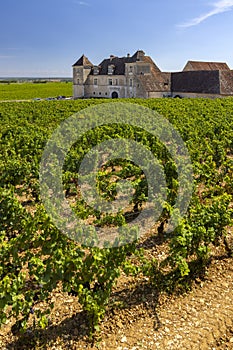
81	70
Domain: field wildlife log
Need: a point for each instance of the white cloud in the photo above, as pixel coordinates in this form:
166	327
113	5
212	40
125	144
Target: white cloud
82	3
218	7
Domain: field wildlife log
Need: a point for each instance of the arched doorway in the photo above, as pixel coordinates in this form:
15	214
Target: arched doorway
114	94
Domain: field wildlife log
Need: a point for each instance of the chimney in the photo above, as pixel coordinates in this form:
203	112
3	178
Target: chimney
111	57
128	54
140	55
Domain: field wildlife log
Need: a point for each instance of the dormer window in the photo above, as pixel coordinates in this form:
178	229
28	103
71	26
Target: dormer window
96	70
111	69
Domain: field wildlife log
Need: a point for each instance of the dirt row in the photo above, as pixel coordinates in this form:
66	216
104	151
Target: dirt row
200	319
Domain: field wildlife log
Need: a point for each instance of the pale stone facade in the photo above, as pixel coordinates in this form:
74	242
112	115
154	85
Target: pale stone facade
138	76
124	77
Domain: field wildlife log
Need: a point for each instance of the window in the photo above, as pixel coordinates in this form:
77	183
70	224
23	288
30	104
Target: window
116	81
109	81
78	82
131	68
99	93
95	81
111	69
96	70
130	82
94	93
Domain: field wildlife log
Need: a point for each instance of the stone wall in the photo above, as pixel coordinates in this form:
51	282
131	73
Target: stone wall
99	86
226	83
78	91
194	95
155	94
80	75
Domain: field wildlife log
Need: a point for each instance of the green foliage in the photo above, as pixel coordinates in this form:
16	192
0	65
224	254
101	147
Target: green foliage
36	257
27	91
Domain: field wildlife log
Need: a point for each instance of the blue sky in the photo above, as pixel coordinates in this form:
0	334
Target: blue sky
44	38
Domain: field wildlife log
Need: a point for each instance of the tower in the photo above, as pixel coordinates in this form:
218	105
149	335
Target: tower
81	70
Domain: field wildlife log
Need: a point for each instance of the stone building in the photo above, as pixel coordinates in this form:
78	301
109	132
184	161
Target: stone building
203	79
130	76
139	76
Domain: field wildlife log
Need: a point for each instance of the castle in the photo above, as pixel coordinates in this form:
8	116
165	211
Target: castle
139	76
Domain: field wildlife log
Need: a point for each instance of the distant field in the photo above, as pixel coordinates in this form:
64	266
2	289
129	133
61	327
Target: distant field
24	91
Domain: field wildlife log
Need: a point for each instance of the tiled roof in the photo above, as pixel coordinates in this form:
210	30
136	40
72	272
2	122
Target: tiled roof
198	65
196	81
158	81
83	61
155	68
119	63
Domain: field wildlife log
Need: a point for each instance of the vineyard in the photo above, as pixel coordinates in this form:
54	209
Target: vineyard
28	91
37	258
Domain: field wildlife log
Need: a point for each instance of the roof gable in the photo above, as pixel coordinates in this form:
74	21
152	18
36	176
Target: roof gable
83	61
199	65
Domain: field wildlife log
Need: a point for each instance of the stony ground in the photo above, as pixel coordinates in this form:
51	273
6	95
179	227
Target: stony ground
200	319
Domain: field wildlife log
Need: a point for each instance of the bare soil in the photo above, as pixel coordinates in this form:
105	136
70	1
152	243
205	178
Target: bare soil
140	317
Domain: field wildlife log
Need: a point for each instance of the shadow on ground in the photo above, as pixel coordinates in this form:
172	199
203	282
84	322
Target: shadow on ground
76	327
126	307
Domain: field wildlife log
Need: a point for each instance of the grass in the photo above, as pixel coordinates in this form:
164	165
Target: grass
26	91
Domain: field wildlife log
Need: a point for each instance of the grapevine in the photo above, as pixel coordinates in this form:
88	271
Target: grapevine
36	257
